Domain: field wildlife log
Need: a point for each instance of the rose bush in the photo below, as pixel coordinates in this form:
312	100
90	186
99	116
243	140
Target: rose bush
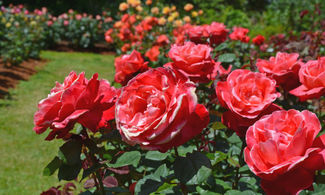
158	110
90	103
247	96
282	149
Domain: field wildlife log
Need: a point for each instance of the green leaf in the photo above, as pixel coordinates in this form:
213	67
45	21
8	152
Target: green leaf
127	158
70	152
52	166
233	162
188	168
205	192
69	172
156	156
225	186
201	176
162	171
236	192
227	57
218	125
216	157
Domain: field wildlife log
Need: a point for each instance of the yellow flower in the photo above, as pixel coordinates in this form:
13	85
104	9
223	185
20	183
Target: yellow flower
173	8
194	14
188	7
123	7
162	21
175	14
187	19
8	25
134	3
139	8
3	20
178	23
166	10
170	18
139	17
155	10
0	13
200	12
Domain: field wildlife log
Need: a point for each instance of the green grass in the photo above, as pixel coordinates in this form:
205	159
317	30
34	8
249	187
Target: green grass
24	154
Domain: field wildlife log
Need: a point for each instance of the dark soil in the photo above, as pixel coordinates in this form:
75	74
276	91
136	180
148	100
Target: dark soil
11	75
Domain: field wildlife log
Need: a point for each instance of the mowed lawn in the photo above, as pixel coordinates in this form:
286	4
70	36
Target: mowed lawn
23	153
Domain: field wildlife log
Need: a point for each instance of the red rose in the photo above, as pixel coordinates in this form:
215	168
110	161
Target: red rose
90	103
247	96
283	68
312	78
158	110
162	40
258	40
218	33
153	53
108	37
193	60
197	34
239	34
128	65
282	149
125	47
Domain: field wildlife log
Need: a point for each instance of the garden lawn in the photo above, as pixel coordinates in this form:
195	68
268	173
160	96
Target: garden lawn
24	154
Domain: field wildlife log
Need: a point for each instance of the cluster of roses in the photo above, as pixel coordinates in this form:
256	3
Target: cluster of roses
158	109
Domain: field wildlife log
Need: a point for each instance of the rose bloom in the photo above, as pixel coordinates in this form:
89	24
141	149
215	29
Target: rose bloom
239	34
162	21
123	6
126	47
194	14
153	53
282	149
247	96
198	34
162	40
283	68
127	66
193	60
158	110
188	7
187	19
312	78
155	10
258	40
148	2
217	32
90	103
166	10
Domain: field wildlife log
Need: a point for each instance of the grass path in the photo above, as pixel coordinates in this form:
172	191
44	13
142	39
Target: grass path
24	154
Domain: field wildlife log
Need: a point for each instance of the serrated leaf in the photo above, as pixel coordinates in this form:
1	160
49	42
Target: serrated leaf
216	157
127	158
227	57
236	192
156	156
52	166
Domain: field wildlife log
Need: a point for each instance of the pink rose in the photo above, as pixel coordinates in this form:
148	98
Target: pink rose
312	78
158	110
247	96
283	68
218	33
193	60
240	34
127	66
90	103
282	149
